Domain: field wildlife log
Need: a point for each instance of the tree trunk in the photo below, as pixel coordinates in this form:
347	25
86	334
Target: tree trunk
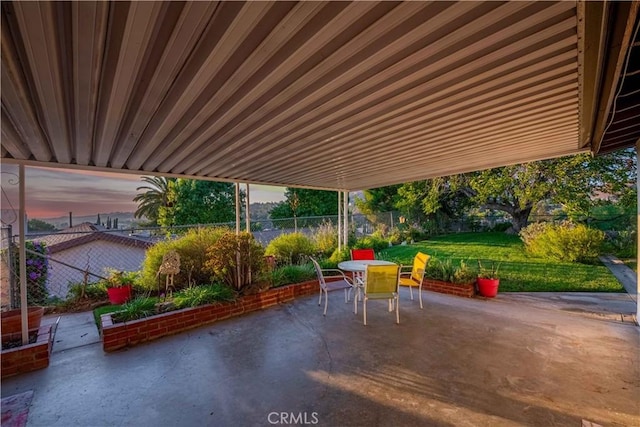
520	219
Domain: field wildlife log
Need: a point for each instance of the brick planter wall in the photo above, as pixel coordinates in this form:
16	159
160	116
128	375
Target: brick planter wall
120	335
30	357
467	290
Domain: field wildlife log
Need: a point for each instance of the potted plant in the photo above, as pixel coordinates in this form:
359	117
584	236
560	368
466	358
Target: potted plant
488	280
119	286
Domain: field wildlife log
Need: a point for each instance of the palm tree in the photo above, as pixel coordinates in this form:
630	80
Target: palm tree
155	195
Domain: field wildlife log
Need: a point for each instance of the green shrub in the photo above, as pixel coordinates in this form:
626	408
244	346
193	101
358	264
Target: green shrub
530	233
623	243
395	236
448	271
563	242
336	257
93	291
288	274
415	233
201	295
137	308
117	278
374	241
610	216
325	238
443	270
236	260
290	248
192	248
464	274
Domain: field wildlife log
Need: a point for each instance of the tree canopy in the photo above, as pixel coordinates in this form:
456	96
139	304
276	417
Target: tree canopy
571	182
198	202
302	202
37	225
177	201
154	196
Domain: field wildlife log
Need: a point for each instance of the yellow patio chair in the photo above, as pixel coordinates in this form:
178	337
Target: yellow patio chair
325	286
414	277
381	282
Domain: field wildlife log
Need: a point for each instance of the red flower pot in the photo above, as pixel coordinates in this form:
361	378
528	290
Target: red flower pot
119	295
488	287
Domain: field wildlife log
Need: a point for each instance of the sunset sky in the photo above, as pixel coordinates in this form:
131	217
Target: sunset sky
56	192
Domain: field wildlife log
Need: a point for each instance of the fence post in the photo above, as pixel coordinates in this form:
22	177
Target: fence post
13	275
339	221
345	222
637	231
247	213
23	256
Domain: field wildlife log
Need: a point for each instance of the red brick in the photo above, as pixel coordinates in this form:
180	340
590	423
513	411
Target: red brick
8	371
42	355
252	307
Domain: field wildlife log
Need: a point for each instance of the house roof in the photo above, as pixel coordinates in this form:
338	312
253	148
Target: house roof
331	95
85	233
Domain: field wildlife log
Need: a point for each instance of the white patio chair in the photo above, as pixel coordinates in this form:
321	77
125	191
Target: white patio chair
342	282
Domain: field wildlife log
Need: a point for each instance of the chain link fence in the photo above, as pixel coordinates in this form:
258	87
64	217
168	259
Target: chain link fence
84	254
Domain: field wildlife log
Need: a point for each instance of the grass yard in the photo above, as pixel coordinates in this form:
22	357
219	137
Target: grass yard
518	271
98	312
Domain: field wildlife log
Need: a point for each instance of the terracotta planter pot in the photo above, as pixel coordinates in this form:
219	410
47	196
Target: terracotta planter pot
119	295
12	323
488	287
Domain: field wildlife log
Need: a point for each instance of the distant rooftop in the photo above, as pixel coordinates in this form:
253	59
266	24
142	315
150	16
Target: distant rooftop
85	233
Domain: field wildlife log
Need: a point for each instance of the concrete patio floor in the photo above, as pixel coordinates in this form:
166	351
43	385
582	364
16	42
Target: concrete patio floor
458	362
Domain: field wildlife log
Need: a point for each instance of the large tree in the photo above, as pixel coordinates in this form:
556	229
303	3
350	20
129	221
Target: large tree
382	199
154	196
569	181
198	202
302	202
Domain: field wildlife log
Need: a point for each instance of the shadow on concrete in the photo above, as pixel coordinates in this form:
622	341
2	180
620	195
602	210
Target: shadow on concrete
457	362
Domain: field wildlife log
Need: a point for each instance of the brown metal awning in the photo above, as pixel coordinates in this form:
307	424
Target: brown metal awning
617	124
332	95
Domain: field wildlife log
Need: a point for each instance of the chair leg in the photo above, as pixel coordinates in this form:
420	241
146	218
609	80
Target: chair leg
345	296
364	310
320	297
355	301
411	292
420	292
326	301
397	309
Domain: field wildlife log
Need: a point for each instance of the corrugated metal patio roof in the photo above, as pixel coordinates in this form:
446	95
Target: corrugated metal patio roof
331	95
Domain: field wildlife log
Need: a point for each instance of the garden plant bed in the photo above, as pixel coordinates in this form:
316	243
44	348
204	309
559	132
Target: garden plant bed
120	335
30	357
464	290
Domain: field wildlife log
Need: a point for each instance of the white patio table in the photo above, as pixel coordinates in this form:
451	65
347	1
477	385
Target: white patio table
357	268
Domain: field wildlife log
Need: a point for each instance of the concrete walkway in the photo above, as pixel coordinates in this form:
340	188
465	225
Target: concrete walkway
75	330
458	362
623	273
617	307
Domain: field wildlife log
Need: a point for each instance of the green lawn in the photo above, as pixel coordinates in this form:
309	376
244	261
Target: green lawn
518	271
98	312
